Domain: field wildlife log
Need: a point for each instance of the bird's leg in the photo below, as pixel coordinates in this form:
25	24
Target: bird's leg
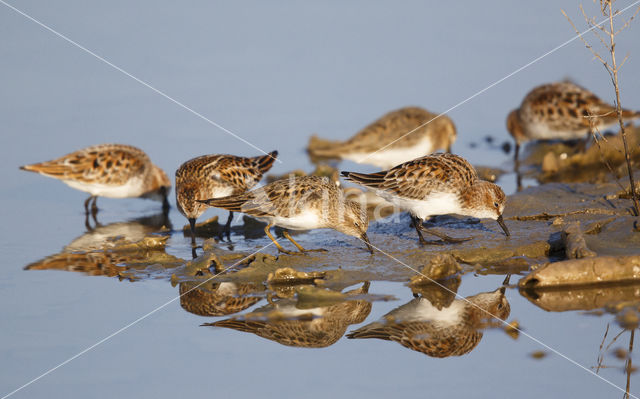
445	237
165	205
94	212
270	298
94	206
417	223
582	143
192	227
227	226
268	233
86	204
86	222
516	167
286	235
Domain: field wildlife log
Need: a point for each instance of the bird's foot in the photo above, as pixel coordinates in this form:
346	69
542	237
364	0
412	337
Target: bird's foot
315	250
284	251
424	242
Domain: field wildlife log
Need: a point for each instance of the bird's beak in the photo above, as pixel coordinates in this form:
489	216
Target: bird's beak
504	226
505	283
366	241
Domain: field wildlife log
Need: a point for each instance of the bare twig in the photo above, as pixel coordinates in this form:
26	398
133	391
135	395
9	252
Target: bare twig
628	365
601	354
627	154
606	9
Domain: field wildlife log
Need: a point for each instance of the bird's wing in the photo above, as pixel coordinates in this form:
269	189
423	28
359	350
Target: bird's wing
105	164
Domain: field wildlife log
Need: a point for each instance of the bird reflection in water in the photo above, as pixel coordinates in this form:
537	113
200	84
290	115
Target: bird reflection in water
318	327
217	299
116	249
453	330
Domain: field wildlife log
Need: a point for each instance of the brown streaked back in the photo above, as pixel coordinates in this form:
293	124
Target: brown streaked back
417	178
108	164
240	172
279	198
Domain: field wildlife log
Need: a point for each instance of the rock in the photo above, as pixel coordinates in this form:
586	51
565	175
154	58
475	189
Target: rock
513	329
613	298
439	267
576	246
598	270
628	319
550	163
289	276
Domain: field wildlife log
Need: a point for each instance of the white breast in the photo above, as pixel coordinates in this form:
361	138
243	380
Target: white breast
303	221
434	204
425	311
390	157
132	188
221	192
541	131
291	311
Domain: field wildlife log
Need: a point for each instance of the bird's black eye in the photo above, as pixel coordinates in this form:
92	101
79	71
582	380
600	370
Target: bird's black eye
496	205
499	306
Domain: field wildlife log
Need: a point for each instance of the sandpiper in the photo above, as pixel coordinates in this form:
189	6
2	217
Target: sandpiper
299	203
216	299
561	111
216	176
436	184
108	170
396	137
283	322
451	331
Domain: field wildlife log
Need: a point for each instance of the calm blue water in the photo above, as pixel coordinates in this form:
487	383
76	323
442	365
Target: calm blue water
273	74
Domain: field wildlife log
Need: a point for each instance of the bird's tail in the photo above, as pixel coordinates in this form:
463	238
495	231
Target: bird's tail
322	148
236	324
233	203
52	169
265	162
374	330
373	180
630	115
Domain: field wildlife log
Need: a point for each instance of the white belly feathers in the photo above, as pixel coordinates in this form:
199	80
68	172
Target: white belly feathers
434	204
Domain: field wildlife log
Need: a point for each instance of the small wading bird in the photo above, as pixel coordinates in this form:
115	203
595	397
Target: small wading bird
299	203
216	176
396	137
283	322
451	331
437	184
561	111
108	170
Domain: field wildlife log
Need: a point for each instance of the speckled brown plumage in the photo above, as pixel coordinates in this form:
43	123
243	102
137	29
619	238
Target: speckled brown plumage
309	328
212	176
562	111
436	184
420	177
452	331
108	170
299	203
397	135
216	299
